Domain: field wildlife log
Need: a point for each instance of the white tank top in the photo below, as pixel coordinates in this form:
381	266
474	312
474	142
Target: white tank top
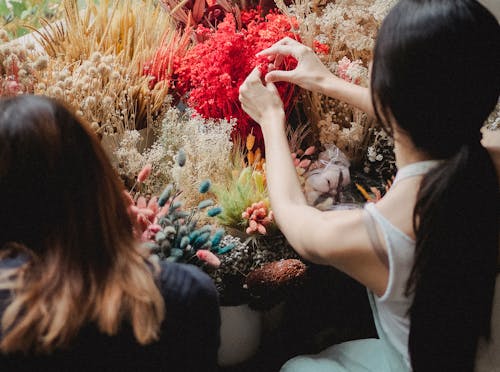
393	305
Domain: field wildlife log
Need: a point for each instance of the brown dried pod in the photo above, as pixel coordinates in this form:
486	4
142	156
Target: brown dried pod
276	274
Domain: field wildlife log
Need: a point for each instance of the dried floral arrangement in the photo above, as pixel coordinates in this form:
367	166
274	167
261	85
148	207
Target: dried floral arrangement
172	233
349	28
248	255
162	92
96	61
205	12
206	141
20	64
207	78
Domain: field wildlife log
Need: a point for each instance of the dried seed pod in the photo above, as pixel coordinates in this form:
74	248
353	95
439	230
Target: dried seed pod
276	274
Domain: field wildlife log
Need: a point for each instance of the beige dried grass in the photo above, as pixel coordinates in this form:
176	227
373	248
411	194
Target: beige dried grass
128	32
349	28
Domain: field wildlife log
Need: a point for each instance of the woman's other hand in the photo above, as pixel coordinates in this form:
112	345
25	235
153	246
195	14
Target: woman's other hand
261	102
310	72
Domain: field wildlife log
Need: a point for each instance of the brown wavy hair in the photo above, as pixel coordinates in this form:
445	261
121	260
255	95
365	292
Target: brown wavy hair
63	210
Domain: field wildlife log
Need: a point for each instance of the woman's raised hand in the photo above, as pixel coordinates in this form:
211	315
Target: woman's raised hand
310	72
261	102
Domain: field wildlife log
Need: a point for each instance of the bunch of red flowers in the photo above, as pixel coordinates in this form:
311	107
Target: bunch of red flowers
209	75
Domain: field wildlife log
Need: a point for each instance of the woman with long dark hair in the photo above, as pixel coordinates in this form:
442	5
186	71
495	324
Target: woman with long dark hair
76	292
429	250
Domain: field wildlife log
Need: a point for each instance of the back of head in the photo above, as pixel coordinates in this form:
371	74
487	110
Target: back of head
435	70
62	201
55	181
436	77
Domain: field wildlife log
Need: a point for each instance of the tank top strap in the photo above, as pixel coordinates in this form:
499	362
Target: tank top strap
415	169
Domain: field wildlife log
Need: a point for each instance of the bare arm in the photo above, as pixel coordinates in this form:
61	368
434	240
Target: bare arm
352	94
331	238
312	75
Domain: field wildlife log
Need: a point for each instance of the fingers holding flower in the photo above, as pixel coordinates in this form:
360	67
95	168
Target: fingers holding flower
310	71
261	102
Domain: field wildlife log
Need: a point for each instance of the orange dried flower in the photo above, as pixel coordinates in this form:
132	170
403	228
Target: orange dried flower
250	142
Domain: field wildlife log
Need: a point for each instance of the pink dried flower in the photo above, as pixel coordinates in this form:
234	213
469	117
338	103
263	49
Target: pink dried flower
310	150
305	163
342	68
141	202
153	204
346	70
150	232
144	215
144	173
261	229
258	217
206	256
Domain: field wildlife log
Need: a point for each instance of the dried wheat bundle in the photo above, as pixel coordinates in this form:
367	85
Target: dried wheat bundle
102	51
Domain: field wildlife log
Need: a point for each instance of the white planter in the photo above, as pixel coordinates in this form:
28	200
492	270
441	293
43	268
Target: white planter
241	330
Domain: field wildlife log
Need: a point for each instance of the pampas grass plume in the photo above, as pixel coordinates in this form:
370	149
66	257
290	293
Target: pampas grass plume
144	173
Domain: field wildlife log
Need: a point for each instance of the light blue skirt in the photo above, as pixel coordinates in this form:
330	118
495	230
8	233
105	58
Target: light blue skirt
376	355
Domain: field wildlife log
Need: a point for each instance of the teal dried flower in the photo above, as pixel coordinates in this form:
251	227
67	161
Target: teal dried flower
216	239
204	187
160	236
226	248
205	203
165	195
206	228
176	252
194	234
170	230
184	242
180	238
201	239
174	206
214	212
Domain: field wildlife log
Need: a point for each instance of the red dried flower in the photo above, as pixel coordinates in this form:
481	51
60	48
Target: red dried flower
210	74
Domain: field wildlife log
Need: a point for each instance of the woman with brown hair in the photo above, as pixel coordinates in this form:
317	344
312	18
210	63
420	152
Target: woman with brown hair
76	293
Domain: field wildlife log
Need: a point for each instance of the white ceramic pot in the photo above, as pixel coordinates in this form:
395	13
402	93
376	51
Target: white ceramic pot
241	329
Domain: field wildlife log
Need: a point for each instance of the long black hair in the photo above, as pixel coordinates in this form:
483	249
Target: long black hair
436	75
